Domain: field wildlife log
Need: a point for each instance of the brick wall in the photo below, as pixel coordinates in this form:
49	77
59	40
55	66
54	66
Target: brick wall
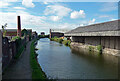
6	57
10	49
0	45
0	55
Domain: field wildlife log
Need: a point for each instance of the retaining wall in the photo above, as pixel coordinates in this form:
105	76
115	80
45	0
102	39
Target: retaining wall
110	44
85	49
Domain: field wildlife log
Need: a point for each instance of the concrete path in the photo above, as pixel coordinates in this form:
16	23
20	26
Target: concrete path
20	69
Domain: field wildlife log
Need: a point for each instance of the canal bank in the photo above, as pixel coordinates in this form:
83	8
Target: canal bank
98	49
59	61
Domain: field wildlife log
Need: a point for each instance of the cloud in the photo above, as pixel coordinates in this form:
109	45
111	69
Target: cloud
68	26
81	24
28	3
77	14
113	19
11	0
19	8
26	19
45	2
87	22
109	6
55	18
104	16
4	4
91	21
57	11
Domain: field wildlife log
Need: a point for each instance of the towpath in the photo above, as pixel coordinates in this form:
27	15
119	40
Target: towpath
21	68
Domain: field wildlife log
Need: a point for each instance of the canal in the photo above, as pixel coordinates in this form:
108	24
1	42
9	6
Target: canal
60	62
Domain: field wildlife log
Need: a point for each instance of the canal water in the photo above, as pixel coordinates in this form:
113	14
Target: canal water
60	62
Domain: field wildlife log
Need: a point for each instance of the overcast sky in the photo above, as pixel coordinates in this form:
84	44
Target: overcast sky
41	16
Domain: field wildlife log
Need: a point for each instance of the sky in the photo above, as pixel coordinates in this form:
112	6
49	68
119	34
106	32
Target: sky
42	16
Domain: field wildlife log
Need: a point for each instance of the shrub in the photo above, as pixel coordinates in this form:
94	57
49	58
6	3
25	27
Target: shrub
52	39
99	48
55	37
91	48
15	38
60	40
67	42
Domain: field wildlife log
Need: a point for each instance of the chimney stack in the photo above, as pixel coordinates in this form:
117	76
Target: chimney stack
19	26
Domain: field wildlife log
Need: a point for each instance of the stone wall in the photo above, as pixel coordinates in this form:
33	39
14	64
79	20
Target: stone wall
84	48
110	44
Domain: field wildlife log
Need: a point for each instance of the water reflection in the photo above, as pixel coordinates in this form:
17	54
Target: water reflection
59	61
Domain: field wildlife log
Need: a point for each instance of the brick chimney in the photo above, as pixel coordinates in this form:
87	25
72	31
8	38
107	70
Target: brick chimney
19	26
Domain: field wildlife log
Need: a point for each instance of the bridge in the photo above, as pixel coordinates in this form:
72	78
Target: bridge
106	34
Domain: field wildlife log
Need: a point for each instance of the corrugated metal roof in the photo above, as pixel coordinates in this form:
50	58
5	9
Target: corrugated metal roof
106	26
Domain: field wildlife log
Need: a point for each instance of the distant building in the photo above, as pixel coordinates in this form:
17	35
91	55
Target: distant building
10	33
42	33
106	34
34	34
57	32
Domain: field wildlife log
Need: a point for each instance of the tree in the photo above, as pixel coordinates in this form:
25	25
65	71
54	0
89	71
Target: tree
4	31
24	32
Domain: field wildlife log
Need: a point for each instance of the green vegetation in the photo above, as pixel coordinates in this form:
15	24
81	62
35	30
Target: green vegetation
99	48
15	38
37	72
91	48
26	32
4	31
60	40
67	42
96	48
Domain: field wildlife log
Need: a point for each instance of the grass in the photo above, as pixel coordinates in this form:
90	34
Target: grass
37	72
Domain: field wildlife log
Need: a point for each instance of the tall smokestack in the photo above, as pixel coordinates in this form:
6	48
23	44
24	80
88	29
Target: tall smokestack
19	26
